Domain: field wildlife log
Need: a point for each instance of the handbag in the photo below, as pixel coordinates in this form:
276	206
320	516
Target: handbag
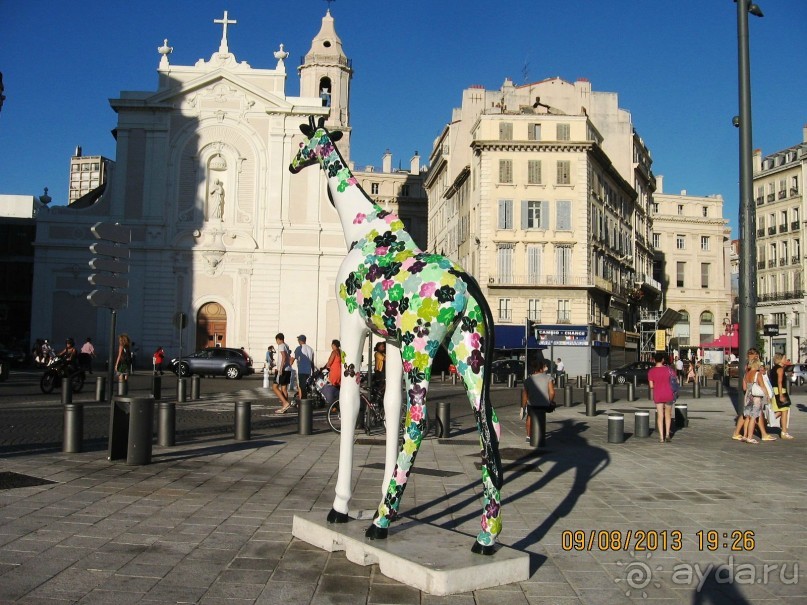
756	390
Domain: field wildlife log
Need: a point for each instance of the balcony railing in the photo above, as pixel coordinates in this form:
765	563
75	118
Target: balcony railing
775	296
760	264
782	262
771	263
760	201
537	280
771	197
771	230
782	194
564	317
761	232
783	228
794	225
794	260
505	315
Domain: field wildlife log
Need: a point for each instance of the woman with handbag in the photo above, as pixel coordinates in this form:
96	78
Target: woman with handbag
780	402
754	399
660	378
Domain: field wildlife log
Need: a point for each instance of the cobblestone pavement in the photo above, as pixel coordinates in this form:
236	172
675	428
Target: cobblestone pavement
209	520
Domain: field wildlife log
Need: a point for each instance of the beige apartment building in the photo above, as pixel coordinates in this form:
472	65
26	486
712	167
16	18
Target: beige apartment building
542	192
779	199
87	173
693	256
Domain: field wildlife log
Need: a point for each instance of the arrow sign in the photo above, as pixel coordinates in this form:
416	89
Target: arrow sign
108	264
109	250
111	281
108	299
112	232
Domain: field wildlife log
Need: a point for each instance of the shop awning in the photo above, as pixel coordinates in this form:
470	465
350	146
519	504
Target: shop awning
512	337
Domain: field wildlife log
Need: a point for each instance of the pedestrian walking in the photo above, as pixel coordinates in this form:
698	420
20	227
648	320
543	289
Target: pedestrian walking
755	395
780	402
86	355
123	362
157	359
752	356
538	392
660	378
303	358
283	378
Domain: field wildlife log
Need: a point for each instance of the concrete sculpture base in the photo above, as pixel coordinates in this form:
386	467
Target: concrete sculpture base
435	560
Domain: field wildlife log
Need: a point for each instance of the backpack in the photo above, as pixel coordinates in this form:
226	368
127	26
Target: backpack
676	386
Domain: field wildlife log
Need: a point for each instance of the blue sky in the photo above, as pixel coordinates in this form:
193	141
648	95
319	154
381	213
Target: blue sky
673	64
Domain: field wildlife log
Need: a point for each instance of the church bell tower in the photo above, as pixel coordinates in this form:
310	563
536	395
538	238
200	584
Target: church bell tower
326	73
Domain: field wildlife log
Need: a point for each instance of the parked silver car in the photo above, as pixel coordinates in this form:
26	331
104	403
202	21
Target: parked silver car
796	374
215	361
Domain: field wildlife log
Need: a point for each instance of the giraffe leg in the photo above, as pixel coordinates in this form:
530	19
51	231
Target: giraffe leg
466	352
417	385
352	336
392	410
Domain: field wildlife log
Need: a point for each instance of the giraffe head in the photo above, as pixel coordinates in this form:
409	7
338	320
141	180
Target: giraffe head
318	146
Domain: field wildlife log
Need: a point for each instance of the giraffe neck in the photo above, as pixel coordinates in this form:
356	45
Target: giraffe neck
358	213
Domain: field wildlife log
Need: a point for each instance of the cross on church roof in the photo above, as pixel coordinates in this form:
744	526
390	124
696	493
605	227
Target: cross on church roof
225	21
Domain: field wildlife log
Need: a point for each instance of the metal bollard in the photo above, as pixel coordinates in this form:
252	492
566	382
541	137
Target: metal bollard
719	388
681	416
266	377
67	391
156	386
537	426
616	428
568	396
635	383
696	390
511	380
641	424
453	378
141	430
182	390
588	379
305	416
243	419
631	392
609	393
579	382
73	428
589	388
196	383
100	388
443	419
166	423
649	392
591	403
123	388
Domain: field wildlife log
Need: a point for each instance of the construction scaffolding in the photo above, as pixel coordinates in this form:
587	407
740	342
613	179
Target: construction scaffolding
648	327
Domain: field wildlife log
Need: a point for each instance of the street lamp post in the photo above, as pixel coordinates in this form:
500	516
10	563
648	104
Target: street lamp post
748	248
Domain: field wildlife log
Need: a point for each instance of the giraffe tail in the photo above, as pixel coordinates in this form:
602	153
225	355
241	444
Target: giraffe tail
486	416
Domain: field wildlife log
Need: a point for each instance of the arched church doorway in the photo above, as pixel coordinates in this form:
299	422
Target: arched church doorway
211	326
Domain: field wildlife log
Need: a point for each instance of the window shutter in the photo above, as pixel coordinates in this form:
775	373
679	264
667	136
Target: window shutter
544	214
564	218
524	215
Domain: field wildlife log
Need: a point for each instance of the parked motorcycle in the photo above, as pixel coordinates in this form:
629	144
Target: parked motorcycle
58	370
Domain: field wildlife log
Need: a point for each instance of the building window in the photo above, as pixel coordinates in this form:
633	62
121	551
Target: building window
564	132
534	172
505	313
75	167
535	260
505	131
657	240
564	172
796	320
704	275
681	329
564	312
680	242
405	190
505	214
534	309
374	188
563	264
680	209
534	132
655	207
505	171
563	215
534	214
707	327
504	262
680	269
705	210
705	242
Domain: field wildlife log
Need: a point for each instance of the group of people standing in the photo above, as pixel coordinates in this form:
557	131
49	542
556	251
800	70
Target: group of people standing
761	387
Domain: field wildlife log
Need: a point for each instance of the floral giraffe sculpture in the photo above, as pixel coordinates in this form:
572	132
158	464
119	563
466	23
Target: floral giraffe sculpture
415	301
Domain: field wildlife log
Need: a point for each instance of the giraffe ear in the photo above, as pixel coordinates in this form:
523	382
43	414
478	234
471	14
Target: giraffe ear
307	130
336	135
320	122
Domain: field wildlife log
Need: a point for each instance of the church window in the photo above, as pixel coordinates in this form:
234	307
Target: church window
325	91
374	188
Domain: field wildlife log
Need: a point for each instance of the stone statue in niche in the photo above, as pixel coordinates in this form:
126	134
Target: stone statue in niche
217	200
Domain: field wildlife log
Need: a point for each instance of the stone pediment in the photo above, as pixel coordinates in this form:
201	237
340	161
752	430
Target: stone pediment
223	87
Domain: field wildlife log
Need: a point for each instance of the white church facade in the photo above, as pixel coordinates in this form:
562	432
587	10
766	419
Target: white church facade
221	230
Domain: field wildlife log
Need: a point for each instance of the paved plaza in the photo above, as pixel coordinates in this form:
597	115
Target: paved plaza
703	519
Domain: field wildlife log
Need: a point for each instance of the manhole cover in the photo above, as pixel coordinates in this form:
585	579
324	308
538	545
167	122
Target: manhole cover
9	480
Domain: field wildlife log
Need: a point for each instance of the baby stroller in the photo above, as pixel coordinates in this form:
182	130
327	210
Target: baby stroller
320	390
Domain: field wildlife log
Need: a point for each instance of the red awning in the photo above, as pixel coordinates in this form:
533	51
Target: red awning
725	341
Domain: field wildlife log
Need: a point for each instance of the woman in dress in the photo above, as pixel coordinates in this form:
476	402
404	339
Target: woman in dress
123	363
780	402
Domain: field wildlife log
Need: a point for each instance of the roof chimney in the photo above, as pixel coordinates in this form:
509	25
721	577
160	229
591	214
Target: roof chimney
659	183
414	164
386	161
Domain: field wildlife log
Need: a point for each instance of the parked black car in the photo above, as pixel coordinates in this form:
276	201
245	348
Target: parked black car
502	368
215	361
625	373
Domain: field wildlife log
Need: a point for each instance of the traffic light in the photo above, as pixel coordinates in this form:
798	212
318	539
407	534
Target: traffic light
532	327
113	263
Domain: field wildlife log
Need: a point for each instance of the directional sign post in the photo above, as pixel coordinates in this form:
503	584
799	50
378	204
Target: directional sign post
112	265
